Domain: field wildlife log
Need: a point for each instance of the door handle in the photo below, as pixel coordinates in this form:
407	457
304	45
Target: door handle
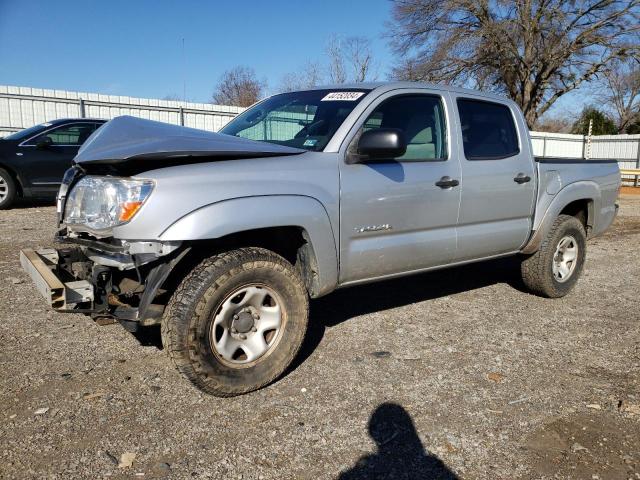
447	182
522	178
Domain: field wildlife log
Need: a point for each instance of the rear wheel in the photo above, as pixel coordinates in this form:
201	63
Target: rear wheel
556	267
7	189
237	321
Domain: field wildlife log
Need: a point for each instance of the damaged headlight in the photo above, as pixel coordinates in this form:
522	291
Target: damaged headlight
100	203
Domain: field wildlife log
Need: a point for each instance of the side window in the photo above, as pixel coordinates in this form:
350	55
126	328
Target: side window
488	130
421	118
73	134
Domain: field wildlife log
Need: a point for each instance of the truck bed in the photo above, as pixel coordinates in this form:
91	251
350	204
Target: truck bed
556	174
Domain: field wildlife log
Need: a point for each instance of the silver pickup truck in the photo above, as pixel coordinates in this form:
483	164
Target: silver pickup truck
222	237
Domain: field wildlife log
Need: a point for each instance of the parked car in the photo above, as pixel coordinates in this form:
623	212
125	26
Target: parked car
222	238
33	160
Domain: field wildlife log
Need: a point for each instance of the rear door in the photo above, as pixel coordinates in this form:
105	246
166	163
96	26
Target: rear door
393	216
498	179
46	166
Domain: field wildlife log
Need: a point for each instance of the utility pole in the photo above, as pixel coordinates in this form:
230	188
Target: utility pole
184	74
588	155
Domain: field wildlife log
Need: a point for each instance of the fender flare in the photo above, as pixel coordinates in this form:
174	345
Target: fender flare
249	213
583	190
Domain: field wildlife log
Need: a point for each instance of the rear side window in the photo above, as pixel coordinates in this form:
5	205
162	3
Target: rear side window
74	134
488	130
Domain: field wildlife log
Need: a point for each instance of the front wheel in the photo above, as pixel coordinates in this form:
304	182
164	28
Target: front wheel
237	321
555	268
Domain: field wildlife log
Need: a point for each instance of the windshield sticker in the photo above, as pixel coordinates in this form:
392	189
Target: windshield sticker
342	96
310	142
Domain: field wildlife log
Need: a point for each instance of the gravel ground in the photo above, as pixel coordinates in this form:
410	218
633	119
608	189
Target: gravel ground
457	374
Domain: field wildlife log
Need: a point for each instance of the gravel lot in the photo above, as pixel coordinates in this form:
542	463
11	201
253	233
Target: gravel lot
457	374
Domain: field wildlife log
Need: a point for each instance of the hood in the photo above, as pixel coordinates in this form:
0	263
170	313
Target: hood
129	139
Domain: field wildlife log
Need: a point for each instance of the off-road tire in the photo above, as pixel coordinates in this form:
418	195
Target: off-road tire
12	191
187	320
537	269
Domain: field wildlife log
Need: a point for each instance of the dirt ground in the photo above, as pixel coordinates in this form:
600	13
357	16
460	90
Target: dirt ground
457	374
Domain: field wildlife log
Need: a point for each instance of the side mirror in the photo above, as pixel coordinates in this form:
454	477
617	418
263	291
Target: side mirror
380	144
44	142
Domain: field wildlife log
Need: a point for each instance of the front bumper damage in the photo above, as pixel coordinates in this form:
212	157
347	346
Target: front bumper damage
105	280
41	266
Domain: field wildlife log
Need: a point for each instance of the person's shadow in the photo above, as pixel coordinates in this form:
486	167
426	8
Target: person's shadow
400	453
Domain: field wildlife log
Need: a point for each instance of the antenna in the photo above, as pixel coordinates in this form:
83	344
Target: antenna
184	74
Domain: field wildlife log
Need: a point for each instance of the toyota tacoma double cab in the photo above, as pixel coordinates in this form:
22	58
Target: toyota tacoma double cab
222	238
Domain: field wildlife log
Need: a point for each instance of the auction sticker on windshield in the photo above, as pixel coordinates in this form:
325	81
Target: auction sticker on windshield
343	96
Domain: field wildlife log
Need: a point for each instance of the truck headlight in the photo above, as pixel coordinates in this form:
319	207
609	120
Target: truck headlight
100	203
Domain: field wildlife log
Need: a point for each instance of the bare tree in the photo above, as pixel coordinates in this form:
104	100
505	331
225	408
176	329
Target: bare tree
554	124
240	87
622	84
337	71
350	59
534	50
310	75
359	59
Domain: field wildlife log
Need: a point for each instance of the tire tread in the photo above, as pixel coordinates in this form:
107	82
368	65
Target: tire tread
184	303
535	268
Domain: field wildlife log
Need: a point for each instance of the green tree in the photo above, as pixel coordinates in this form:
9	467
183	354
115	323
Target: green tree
602	124
634	128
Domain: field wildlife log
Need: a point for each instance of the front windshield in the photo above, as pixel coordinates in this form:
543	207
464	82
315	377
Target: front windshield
298	119
27	132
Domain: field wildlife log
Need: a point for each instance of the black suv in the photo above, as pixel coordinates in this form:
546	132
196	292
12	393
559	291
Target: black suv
32	161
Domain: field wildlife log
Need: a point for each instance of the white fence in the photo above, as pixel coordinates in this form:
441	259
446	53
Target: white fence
624	148
22	107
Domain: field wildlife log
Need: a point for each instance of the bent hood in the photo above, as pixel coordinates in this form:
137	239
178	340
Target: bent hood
128	139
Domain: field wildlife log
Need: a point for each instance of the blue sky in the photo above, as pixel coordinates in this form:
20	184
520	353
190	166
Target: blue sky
134	47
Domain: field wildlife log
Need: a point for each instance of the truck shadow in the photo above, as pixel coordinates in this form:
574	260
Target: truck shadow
25	203
399	452
342	305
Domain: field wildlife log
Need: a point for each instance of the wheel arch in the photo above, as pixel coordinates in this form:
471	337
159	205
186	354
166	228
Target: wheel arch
579	199
296	227
582	209
15	177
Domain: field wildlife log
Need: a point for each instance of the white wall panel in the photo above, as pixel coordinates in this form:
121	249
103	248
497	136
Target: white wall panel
22	107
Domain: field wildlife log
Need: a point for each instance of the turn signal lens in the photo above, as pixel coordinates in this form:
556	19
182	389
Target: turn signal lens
128	210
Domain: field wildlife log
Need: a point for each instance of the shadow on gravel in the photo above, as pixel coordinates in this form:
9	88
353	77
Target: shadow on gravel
400	453
24	203
342	305
149	336
345	304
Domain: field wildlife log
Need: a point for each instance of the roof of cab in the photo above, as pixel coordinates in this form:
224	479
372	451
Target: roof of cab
387	86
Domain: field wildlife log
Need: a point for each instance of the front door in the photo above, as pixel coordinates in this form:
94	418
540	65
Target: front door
498	180
46	165
393	216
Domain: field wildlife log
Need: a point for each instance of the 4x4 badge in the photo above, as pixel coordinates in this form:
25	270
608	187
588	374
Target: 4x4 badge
373	228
